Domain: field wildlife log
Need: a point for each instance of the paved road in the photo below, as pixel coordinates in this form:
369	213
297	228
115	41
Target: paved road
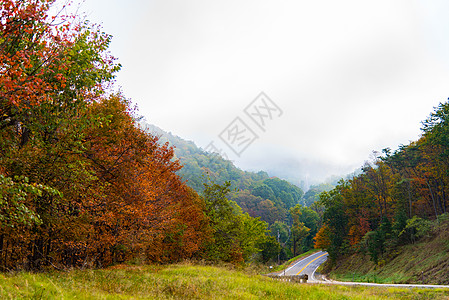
307	265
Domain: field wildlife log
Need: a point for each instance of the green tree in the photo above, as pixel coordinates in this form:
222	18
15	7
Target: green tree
15	209
299	230
336	219
271	249
253	238
281	229
237	237
224	222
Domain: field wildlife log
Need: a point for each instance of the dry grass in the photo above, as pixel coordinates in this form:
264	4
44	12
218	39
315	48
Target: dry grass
183	281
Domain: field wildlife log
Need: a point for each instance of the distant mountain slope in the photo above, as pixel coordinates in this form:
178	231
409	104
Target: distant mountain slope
256	193
199	163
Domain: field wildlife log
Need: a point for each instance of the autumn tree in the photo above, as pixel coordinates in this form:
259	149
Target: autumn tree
323	238
81	183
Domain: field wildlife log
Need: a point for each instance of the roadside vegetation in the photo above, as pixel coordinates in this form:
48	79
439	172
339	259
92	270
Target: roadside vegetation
425	261
183	281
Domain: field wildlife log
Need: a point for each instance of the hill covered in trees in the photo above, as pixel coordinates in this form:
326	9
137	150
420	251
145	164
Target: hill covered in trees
400	198
256	193
198	164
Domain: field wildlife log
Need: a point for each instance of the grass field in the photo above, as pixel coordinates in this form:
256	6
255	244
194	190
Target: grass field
183	281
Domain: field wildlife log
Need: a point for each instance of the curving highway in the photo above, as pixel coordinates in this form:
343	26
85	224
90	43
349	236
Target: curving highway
307	265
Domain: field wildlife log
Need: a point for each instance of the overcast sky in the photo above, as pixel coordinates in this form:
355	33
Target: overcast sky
347	77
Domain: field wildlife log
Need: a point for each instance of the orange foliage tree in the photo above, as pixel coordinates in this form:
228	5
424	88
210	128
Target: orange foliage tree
323	238
88	187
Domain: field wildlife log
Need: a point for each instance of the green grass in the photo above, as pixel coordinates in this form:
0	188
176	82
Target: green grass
371	277
183	281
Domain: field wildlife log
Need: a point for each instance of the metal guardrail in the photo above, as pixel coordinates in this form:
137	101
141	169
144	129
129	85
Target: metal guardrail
291	278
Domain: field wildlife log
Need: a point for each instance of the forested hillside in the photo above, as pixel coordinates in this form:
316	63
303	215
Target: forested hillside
424	261
399	198
275	201
256	193
198	164
313	194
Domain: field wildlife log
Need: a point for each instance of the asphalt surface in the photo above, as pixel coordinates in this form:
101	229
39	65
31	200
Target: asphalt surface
307	265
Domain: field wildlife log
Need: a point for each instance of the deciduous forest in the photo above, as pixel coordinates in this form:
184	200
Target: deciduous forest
399	197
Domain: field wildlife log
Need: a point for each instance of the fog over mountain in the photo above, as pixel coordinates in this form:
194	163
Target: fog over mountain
344	77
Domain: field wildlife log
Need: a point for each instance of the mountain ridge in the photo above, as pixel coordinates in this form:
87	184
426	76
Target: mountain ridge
257	193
